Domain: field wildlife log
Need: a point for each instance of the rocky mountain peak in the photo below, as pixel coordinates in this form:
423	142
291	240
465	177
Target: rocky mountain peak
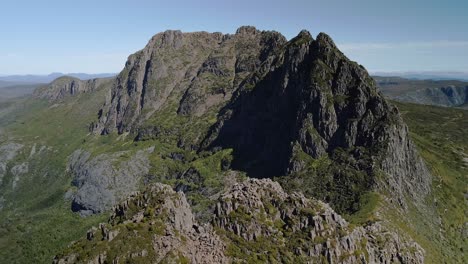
199	70
168	38
281	105
247	30
325	40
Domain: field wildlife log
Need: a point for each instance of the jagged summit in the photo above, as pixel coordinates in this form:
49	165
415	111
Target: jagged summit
200	70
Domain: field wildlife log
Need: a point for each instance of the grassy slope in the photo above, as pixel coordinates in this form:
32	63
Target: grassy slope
440	135
37	220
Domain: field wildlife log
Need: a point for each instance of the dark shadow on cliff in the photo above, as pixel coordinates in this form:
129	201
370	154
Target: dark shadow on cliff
260	122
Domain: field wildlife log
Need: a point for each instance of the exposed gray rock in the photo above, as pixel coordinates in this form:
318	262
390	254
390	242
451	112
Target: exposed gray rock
104	180
8	152
167	233
17	171
258	210
200	69
157	226
311	99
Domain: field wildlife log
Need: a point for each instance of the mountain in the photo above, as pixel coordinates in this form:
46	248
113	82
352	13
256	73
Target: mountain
68	86
244	147
426	75
449	93
48	78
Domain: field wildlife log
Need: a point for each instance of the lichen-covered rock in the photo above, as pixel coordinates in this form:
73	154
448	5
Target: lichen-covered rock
299	229
104	180
255	220
201	69
154	226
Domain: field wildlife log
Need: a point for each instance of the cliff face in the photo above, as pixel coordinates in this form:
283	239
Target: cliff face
67	86
157	225
276	100
196	70
105	180
310	99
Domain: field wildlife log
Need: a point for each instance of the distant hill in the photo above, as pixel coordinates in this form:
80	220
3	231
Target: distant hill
451	93
49	78
426	75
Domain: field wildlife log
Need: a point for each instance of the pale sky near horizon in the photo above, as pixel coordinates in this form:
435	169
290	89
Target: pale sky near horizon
40	37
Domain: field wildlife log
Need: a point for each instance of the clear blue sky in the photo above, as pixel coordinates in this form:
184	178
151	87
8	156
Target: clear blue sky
40	37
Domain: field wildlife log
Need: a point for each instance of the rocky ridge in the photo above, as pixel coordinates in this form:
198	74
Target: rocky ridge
154	226
194	71
68	86
251	218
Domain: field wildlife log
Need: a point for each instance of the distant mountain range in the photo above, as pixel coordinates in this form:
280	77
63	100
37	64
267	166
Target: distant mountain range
426	75
50	77
449	93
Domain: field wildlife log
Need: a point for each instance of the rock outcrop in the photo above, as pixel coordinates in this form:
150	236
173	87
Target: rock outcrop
8	152
104	180
155	226
301	230
66	86
255	221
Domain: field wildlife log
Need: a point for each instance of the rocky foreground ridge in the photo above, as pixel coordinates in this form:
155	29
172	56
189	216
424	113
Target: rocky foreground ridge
255	220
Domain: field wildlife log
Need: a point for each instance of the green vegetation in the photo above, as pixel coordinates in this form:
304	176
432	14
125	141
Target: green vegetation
368	204
440	135
337	179
36	220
